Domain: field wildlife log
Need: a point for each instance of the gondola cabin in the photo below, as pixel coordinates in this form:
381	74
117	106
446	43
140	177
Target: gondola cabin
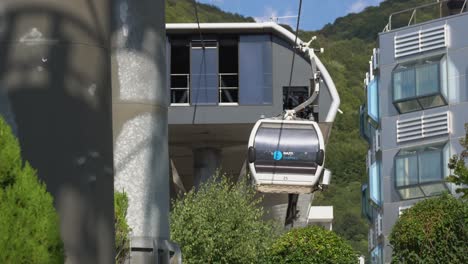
286	155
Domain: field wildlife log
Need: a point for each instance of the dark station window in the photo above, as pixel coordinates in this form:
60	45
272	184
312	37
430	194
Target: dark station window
294	96
228	70
180	71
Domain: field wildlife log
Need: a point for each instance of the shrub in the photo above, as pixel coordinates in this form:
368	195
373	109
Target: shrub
122	230
460	171
432	231
310	245
29	225
221	223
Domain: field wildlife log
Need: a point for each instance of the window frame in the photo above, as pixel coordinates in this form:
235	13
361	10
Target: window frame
415	64
440	149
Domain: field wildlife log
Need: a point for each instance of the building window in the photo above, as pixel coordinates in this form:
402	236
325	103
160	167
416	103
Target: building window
418	85
374	183
180	72
364	125
204	72
420	172
377	255
366	208
256	70
294	96
373	100
228	71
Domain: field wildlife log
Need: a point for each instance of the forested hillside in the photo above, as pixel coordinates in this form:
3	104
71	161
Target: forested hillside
348	43
182	11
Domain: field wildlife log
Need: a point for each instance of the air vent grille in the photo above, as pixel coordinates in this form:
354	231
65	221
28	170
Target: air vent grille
423	127
421	41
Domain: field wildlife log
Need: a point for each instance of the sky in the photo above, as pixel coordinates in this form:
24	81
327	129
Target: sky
315	14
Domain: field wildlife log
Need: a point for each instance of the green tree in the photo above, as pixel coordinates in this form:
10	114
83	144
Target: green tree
460	171
432	231
29	224
221	223
122	230
312	245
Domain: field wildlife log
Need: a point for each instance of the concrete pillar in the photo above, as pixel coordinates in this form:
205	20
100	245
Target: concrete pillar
277	205
205	163
56	90
303	203
140	104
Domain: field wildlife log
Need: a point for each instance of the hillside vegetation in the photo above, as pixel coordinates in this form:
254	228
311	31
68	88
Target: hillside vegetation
182	11
348	43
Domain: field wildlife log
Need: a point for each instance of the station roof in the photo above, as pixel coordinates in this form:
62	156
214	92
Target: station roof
233	28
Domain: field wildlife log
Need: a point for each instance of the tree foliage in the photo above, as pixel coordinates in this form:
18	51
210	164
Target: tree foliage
122	230
432	231
460	173
221	223
29	225
311	245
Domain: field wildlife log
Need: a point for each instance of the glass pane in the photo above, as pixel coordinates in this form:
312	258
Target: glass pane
229	96
433	189
411	193
180	81
374	183
365	206
204	76
427	79
377	256
408	106
294	96
431	101
364	126
404	84
179	96
406	170
373	100
286	148
255	67
229	80
430	166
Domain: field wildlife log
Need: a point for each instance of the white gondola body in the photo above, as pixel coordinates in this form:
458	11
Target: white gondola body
286	156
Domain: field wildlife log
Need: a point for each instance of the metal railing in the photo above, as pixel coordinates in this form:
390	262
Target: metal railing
426	12
228	88
180	89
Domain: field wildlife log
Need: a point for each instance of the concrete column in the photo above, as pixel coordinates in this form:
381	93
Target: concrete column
303	203
55	83
140	104
277	205
205	163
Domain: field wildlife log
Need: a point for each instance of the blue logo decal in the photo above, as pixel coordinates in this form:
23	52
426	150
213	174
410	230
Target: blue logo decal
277	155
